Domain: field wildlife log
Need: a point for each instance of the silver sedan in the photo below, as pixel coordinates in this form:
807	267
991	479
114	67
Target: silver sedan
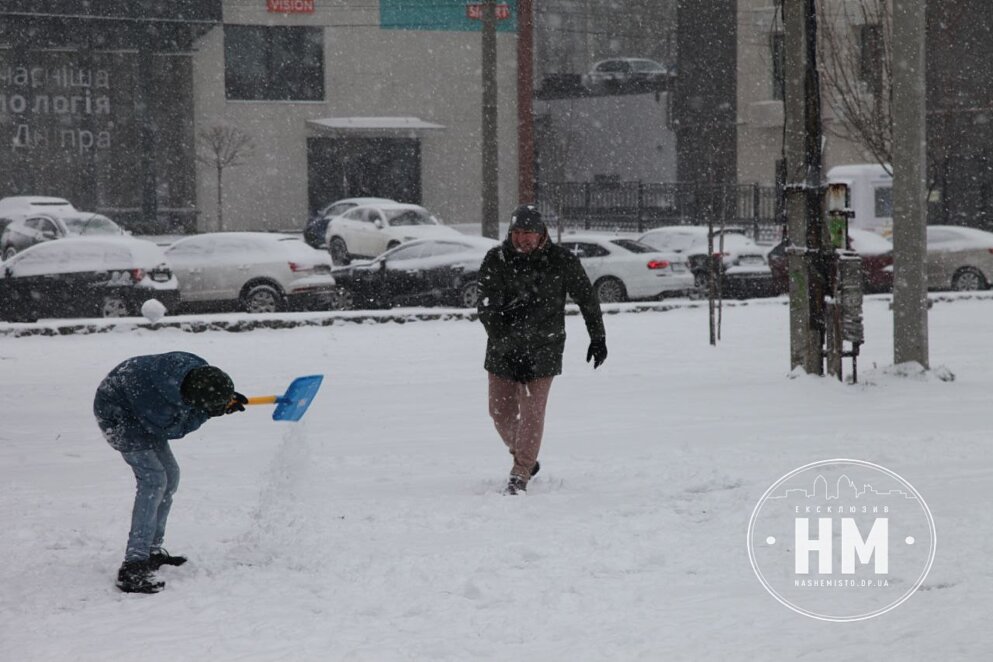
959	258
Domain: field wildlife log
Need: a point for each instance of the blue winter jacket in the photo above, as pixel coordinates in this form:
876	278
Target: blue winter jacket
138	405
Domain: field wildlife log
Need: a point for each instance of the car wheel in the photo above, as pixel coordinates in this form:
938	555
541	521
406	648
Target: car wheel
339	251
262	299
114	306
610	290
469	294
342	299
393	244
9	253
968	279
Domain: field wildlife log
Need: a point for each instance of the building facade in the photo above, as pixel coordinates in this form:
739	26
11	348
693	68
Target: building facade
959	96
331	98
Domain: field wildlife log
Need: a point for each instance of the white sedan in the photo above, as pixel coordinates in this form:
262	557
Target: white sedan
622	269
259	272
368	230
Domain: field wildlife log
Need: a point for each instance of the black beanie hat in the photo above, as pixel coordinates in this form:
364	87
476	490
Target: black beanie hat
207	387
527	218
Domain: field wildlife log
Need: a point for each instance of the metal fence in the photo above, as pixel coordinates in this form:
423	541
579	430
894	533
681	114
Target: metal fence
640	206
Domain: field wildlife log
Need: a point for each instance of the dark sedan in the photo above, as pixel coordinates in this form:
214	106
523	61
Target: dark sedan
85	277
877	262
425	272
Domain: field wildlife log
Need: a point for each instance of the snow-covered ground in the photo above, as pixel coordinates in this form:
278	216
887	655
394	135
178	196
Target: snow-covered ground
374	530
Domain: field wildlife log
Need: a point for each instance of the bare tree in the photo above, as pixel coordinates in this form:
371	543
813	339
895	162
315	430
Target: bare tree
223	146
856	55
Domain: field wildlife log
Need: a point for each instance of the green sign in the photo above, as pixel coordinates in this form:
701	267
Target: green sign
441	15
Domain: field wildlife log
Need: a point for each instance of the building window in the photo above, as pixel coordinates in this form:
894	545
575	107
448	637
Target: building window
778	52
273	63
871	57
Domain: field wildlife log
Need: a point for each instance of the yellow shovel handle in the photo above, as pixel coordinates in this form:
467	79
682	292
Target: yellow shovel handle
263	400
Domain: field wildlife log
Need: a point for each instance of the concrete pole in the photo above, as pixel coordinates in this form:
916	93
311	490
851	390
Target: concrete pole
525	106
491	202
910	326
803	181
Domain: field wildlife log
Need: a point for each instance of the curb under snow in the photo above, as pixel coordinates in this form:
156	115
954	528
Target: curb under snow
241	322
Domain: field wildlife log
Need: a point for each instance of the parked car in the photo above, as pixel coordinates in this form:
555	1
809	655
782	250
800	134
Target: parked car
258	272
877	262
959	258
423	272
315	234
368	230
25	232
85	277
744	268
21	206
622	269
615	73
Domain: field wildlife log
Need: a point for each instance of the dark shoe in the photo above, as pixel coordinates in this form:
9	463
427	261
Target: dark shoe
535	469
136	577
159	557
516	485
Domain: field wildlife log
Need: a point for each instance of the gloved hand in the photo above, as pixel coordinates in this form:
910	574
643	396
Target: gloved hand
237	403
597	352
521	367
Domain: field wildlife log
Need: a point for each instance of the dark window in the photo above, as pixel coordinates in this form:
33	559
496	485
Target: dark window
883	199
778	52
871	57
582	250
273	63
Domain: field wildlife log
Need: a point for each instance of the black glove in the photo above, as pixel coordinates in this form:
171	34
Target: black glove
521	366
597	352
238	402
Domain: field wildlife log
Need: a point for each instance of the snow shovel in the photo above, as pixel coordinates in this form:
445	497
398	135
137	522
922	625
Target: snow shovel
292	405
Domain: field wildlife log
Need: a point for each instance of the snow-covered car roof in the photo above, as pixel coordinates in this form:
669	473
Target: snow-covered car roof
118	252
865	242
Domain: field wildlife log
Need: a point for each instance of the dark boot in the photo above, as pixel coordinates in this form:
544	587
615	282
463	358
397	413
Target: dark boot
516	485
137	577
159	557
535	469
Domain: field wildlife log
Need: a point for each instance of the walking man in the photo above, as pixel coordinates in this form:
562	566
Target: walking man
142	404
523	284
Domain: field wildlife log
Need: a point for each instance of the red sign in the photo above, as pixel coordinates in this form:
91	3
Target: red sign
475	11
290	6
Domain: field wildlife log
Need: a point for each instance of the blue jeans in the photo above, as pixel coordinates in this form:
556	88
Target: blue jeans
157	477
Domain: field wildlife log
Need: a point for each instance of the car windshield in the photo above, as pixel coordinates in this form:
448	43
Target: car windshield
646	66
398	217
92	224
633	246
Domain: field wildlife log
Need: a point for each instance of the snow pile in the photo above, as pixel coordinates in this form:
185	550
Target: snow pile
153	310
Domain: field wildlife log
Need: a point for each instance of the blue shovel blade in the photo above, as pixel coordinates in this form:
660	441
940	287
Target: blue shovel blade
293	404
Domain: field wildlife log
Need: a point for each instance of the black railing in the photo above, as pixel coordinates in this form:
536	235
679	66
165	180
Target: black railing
640	206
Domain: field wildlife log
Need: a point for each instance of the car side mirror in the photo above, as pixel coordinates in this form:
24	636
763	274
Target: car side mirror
47	234
378	223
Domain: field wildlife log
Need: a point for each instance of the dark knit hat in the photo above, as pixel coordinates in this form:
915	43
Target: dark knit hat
207	387
527	218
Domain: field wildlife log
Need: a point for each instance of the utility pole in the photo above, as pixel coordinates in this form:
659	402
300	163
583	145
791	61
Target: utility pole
525	105
910	325
491	203
804	199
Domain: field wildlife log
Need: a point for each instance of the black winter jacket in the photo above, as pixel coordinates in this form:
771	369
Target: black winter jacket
522	306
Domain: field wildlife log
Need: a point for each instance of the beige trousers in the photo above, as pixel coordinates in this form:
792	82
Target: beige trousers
518	412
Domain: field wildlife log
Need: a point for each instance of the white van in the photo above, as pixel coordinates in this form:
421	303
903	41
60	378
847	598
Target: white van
870	195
